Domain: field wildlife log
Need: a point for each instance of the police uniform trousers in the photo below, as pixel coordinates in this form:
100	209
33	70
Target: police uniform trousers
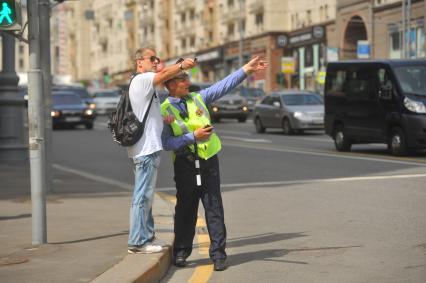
188	196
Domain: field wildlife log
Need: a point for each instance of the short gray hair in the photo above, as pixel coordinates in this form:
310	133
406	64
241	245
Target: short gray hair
140	53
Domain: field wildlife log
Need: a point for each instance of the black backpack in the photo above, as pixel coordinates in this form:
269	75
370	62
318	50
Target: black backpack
126	129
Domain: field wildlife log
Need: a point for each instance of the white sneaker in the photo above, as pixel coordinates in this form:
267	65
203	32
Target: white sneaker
157	242
145	249
150	248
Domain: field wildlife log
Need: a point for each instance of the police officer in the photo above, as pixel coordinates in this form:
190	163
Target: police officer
196	165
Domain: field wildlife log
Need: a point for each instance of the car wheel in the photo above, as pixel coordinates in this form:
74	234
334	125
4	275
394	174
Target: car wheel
242	119
287	129
89	126
341	141
259	127
397	144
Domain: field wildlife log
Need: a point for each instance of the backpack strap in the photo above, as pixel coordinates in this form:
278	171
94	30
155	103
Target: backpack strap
129	105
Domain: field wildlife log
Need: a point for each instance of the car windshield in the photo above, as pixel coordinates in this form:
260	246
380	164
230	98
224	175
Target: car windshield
61	99
252	92
81	91
105	94
301	99
412	79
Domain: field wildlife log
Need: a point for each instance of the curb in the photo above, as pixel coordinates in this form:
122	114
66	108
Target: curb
139	268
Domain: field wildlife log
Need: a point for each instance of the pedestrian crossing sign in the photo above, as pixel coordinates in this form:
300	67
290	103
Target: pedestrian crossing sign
10	15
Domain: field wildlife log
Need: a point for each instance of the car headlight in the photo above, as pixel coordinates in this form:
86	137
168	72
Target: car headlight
88	112
245	108
414	106
299	115
92	106
55	113
215	109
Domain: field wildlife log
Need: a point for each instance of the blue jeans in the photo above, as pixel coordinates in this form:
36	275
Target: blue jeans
141	220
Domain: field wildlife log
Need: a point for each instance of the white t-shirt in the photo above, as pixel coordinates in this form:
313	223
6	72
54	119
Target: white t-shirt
140	93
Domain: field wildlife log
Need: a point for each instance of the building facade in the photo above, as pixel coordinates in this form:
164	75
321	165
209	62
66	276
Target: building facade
298	38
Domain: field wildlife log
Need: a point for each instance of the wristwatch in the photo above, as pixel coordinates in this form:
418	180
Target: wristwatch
181	66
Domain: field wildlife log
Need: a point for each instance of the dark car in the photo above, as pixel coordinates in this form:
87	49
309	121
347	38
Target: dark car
79	90
252	95
230	106
291	111
381	101
69	109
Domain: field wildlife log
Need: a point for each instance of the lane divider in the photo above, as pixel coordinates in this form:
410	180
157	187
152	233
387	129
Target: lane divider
201	273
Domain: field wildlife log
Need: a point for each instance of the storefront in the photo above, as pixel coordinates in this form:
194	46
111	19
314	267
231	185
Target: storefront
307	48
210	65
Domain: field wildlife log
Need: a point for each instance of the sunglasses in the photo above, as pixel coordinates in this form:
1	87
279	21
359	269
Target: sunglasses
153	59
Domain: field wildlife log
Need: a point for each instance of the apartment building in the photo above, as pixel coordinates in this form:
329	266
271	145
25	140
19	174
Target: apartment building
379	23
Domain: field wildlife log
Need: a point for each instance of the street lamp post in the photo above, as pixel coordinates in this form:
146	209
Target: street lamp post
241	34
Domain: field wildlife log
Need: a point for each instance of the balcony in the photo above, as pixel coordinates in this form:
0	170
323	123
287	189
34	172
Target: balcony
184	5
256	7
146	20
186	29
232	15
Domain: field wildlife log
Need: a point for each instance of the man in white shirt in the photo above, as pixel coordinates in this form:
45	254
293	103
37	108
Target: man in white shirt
146	152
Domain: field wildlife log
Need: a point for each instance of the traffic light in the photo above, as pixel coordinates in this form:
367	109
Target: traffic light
10	15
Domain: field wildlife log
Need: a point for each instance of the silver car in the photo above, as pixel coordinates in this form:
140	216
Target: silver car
106	100
291	111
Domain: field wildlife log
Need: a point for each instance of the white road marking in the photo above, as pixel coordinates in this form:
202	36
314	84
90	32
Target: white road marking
246	140
129	187
94	177
318	153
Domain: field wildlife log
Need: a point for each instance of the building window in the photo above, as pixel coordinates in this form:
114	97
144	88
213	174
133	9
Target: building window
21	49
210	36
191	14
420	42
259	19
231	28
183	17
192	41
21	64
230	3
183	43
326	11
308	17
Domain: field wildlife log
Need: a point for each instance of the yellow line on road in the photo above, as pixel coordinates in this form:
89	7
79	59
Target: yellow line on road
201	273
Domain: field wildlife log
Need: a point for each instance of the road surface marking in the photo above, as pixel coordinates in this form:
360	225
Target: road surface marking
349	155
94	177
160	191
246	140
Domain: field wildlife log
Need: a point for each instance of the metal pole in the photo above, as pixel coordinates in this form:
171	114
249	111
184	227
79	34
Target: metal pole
240	29
44	18
403	28
36	129
408	26
12	106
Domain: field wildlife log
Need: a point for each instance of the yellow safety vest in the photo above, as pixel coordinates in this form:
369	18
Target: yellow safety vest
198	117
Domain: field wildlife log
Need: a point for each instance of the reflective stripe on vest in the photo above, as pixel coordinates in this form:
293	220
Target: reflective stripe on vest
180	123
198	117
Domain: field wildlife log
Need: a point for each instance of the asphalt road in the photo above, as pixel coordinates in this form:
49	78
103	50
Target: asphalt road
296	210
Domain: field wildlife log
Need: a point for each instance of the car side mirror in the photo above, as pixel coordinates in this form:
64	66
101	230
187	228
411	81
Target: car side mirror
276	104
385	91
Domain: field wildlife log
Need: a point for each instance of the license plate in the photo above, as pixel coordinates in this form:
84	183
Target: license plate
72	119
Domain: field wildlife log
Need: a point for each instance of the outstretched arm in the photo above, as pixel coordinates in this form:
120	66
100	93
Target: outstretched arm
225	85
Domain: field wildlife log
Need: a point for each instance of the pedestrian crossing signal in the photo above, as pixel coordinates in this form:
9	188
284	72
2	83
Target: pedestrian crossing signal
10	15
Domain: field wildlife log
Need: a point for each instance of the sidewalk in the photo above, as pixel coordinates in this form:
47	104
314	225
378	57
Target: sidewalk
87	230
